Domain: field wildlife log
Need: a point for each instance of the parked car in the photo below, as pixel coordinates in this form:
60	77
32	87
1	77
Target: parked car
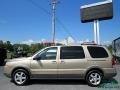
92	63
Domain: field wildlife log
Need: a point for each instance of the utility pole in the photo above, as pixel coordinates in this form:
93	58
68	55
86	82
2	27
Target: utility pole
54	3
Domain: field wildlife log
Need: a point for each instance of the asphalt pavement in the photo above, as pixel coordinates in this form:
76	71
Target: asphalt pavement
7	84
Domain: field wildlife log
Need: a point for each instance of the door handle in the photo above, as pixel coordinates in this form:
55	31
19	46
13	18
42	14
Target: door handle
62	61
54	62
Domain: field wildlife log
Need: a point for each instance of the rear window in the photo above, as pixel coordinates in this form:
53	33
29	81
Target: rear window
72	52
97	52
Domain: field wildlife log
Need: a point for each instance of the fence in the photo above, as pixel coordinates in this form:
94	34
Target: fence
116	49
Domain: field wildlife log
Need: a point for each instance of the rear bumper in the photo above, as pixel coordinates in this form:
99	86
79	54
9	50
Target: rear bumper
109	73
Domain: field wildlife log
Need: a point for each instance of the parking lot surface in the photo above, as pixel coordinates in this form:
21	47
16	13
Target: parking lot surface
112	84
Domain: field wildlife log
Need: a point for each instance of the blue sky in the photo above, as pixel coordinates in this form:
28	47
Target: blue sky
20	20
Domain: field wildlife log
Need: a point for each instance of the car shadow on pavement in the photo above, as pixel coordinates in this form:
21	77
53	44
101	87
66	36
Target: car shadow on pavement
105	83
57	82
111	83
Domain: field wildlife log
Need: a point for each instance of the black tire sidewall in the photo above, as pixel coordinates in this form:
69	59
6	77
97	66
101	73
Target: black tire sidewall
25	72
89	73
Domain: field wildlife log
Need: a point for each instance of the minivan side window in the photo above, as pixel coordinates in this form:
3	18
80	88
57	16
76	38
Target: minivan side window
97	52
72	52
48	54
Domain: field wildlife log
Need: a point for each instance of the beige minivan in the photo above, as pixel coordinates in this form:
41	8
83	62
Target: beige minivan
90	62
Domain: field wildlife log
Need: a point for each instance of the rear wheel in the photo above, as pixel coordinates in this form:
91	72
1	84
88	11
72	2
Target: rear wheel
20	77
94	78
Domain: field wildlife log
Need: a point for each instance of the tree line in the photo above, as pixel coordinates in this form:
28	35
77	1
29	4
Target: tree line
21	48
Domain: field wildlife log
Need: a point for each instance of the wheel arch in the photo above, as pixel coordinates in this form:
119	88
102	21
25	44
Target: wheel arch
94	68
23	68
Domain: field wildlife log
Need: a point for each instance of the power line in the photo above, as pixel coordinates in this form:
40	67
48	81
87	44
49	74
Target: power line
65	28
48	13
40	7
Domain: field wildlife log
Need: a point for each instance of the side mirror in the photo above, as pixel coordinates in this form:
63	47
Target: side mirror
37	58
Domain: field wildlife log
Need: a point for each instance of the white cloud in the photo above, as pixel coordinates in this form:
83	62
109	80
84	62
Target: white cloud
43	40
71	40
68	40
87	40
30	41
82	41
106	42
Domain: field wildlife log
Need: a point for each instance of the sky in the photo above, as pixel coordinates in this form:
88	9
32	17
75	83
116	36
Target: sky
23	21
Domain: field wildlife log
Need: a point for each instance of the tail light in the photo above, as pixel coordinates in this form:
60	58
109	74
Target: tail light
113	61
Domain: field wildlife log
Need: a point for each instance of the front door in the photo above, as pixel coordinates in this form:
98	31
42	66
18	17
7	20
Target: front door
44	64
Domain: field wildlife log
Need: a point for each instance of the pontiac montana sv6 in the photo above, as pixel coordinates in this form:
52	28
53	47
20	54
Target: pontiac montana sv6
90	62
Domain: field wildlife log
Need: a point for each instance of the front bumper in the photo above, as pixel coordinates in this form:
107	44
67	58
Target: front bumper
7	71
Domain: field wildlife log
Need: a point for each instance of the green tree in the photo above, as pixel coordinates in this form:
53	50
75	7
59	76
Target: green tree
8	46
110	48
35	47
2	44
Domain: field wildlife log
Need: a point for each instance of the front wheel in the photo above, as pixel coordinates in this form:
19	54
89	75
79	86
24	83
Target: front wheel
94	78
20	77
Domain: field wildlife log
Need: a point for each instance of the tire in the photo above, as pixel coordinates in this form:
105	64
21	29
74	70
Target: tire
94	78
20	77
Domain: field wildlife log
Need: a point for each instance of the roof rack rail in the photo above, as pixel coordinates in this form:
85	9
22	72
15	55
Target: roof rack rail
89	43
